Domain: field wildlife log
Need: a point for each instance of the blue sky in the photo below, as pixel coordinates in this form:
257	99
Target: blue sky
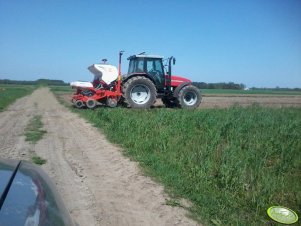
255	42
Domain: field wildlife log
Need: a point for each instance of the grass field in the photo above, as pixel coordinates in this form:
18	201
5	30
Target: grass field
9	93
232	164
62	89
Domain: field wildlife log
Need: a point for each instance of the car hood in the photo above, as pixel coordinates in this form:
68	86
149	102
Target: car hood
28	197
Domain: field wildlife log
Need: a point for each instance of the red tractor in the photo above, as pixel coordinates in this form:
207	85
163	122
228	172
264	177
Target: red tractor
145	81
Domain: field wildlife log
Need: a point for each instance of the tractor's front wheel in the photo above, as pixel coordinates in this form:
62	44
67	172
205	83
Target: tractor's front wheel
139	92
189	97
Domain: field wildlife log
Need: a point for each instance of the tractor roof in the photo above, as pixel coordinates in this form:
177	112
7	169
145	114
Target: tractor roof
145	56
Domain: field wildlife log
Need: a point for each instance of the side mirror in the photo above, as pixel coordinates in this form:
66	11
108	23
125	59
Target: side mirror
174	61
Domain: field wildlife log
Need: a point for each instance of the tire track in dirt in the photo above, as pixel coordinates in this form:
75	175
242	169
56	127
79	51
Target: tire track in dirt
12	124
98	184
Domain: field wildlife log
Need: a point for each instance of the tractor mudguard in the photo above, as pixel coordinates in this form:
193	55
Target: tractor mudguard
177	90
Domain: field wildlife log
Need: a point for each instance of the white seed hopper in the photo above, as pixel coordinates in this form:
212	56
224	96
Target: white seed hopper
106	72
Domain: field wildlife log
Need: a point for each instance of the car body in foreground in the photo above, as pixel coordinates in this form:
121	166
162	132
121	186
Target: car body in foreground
28	197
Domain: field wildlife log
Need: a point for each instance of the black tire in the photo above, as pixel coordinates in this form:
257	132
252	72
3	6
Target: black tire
189	97
91	103
111	102
79	104
139	92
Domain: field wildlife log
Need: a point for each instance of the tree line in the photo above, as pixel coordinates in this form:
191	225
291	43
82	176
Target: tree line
220	85
232	85
48	82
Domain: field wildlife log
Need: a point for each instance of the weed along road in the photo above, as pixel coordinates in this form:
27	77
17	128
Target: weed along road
98	184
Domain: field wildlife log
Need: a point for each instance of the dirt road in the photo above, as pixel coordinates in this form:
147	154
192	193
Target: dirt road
98	184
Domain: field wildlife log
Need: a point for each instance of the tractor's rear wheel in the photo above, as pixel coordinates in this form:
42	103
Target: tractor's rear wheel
189	97
139	92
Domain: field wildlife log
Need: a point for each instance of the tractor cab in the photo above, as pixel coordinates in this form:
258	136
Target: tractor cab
149	65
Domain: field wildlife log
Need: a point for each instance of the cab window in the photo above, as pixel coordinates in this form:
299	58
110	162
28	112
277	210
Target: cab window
136	65
154	66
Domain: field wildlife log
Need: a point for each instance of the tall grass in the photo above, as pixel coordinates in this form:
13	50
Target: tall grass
231	163
9	93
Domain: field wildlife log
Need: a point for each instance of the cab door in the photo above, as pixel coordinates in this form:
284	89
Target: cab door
154	69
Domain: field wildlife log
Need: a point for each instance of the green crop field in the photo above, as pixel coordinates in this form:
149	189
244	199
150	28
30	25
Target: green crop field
232	164
9	93
61	89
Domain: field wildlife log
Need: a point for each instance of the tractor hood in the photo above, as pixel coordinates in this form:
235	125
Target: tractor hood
177	80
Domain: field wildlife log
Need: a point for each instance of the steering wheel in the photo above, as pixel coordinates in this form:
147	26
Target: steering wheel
154	72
